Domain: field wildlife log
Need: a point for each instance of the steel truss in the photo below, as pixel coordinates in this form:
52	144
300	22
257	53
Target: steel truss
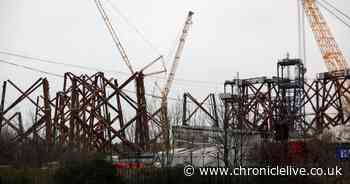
88	114
264	104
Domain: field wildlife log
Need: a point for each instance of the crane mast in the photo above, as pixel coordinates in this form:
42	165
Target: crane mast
170	80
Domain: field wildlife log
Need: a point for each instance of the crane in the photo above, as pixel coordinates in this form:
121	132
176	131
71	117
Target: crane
170	79
142	127
178	54
114	35
331	53
119	45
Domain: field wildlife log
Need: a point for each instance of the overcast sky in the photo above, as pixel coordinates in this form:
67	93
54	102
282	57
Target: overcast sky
226	37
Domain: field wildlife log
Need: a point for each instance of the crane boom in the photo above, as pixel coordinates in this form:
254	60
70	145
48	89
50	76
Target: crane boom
331	53
178	54
165	125
114	35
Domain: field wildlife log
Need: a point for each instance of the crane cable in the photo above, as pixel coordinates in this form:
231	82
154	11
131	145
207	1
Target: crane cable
127	21
336	9
114	35
141	34
60	63
30	68
61	76
177	80
335	15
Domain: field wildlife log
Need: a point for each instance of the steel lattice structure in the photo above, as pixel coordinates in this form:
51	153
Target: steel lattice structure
89	114
287	106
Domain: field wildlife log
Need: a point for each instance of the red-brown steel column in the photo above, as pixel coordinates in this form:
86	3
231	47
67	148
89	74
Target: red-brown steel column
142	129
3	95
47	109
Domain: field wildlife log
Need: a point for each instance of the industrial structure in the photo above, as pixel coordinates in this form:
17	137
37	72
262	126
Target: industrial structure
89	114
95	114
283	107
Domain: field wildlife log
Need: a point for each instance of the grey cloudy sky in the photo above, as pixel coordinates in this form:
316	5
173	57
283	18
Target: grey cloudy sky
243	36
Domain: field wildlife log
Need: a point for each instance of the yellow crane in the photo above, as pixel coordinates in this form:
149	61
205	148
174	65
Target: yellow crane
331	53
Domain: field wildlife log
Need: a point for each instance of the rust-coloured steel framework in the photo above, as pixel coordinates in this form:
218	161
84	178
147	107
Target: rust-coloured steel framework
331	53
94	113
211	112
89	114
287	106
